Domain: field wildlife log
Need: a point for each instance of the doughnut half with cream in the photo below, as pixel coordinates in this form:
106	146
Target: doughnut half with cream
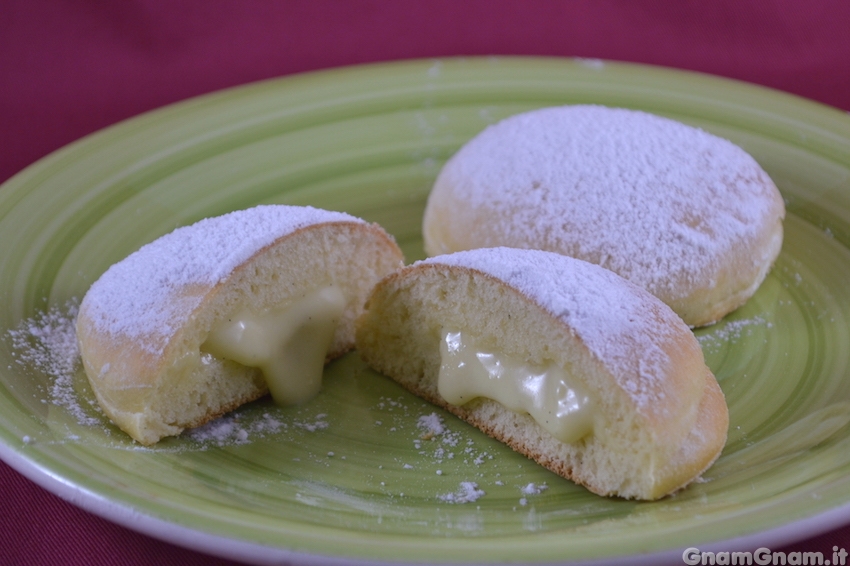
222	312
562	360
685	214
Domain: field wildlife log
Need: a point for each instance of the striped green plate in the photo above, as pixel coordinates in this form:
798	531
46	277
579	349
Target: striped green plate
358	475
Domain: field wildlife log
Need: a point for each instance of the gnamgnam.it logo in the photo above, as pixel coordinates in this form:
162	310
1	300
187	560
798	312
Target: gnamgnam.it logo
764	556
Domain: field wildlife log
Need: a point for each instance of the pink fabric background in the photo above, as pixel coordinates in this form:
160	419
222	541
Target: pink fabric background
71	67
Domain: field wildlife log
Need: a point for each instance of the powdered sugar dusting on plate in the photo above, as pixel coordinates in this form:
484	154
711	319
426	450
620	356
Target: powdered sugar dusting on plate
730	331
467	492
231	430
448	444
534	489
432	424
48	343
531	489
149	293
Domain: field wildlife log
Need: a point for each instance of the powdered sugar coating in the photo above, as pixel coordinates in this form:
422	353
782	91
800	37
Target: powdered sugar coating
658	202
144	296
613	317
467	492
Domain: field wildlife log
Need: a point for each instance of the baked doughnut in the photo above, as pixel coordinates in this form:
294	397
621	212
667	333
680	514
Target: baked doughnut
219	313
562	360
685	214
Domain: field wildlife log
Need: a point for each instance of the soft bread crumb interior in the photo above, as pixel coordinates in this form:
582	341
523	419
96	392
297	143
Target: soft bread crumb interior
184	387
629	453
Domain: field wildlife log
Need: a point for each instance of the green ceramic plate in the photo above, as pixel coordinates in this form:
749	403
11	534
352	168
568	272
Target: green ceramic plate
352	477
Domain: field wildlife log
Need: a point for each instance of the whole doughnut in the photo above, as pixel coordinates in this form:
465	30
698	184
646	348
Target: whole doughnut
687	215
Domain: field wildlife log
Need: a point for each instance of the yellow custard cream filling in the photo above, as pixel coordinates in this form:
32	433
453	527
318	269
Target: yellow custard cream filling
289	345
546	393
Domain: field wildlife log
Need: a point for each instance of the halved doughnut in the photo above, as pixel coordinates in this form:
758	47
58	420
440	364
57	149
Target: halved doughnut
216	314
562	360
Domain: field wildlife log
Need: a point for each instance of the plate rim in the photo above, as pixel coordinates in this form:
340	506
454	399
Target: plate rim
237	549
